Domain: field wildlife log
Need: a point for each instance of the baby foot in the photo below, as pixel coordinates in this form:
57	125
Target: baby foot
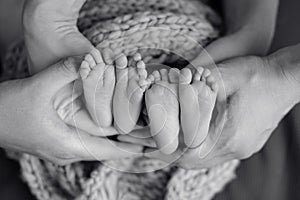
163	110
98	86
130	87
197	98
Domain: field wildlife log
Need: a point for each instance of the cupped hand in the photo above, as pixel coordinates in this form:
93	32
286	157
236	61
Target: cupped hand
258	95
29	121
51	33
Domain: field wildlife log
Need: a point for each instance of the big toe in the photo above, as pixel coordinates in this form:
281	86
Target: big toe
108	56
174	74
185	76
84	69
122	71
121	62
164	75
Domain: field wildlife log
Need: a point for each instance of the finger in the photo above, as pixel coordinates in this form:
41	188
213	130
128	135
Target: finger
97	148
67	95
156	154
148	142
71	110
80	119
214	141
58	75
141	133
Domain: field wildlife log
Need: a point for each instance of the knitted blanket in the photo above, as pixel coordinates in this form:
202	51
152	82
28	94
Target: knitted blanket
163	31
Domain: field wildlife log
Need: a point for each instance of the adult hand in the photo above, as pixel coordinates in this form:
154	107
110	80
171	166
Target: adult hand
259	92
249	30
29	122
51	33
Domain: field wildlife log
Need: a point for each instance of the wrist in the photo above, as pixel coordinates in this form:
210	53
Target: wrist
286	64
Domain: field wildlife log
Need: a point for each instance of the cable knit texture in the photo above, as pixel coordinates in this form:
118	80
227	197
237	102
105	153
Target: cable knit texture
163	31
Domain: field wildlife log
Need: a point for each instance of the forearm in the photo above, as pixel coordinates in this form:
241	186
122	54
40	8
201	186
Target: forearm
257	16
250	12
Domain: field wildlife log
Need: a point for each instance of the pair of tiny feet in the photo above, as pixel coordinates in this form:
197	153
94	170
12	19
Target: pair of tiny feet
180	100
114	91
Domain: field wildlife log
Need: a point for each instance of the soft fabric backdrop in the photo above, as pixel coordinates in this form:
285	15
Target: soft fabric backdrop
270	174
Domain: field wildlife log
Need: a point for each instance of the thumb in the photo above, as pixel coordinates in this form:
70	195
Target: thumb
58	75
216	133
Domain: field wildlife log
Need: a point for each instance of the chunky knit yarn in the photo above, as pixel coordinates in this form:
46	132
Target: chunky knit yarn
157	29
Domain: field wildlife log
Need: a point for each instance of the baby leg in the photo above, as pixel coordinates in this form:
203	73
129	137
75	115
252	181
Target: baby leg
197	96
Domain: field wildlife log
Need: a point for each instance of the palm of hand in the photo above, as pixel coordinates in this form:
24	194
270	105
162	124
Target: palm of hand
253	105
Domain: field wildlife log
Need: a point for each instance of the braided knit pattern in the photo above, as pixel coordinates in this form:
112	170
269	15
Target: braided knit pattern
156	29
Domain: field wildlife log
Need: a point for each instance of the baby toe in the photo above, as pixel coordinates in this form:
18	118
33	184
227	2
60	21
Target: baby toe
108	56
174	74
90	60
185	76
198	74
211	82
156	76
141	68
205	74
215	87
97	56
142	74
84	69
121	62
137	57
164	75
150	78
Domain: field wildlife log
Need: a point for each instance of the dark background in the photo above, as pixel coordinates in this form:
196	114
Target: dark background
272	174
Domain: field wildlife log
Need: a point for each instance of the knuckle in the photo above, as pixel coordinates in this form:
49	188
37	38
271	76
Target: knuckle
67	66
